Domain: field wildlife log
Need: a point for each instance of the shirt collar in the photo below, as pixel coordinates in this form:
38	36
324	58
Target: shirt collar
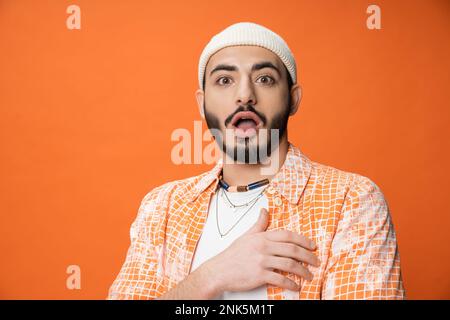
290	180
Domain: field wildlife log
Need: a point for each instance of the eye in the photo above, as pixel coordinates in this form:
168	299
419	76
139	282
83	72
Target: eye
267	79
222	82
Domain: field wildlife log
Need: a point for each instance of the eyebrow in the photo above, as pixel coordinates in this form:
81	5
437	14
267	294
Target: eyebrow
255	67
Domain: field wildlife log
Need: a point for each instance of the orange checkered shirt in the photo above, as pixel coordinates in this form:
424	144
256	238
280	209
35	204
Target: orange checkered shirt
344	213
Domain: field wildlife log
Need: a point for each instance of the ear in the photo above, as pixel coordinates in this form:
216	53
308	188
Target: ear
200	96
296	97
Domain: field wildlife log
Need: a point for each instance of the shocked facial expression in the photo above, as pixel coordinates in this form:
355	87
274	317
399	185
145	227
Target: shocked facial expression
247	101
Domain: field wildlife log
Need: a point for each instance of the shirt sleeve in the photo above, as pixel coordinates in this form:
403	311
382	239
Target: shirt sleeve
141	275
364	261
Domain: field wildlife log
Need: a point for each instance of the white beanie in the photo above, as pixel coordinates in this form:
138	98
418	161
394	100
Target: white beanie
248	33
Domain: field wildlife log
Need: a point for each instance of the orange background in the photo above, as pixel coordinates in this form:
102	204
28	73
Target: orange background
86	118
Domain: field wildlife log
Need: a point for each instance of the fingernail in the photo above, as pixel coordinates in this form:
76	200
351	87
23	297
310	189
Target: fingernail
313	245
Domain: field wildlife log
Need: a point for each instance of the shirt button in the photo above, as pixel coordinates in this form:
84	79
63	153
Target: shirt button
270	190
278	201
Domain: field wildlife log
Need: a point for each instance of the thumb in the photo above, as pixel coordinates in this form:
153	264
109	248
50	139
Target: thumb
260	224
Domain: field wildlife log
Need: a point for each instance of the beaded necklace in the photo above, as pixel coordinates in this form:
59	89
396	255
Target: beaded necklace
252	202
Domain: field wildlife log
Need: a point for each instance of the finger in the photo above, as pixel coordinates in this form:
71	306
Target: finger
260	224
290	250
281	281
288	265
293	237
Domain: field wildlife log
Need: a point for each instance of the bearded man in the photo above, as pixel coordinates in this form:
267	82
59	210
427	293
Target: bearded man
266	222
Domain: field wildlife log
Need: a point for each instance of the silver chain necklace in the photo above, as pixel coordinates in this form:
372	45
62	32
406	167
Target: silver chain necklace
236	206
240	218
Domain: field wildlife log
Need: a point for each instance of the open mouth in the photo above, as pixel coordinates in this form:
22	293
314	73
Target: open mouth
246	123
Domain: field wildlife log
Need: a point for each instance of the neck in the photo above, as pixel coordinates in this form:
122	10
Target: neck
242	174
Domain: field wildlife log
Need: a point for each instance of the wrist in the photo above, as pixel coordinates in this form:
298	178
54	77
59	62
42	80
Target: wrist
211	287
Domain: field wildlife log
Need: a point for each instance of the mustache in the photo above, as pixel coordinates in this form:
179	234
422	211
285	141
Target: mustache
247	107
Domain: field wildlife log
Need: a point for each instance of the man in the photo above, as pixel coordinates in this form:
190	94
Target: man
302	230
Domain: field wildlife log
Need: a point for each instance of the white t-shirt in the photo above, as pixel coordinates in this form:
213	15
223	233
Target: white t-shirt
211	243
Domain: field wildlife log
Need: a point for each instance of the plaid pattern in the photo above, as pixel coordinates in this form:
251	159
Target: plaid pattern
344	213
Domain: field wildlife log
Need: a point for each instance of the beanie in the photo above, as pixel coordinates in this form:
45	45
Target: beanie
248	33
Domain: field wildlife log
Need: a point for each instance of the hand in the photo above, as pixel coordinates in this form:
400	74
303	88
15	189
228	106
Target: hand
249	261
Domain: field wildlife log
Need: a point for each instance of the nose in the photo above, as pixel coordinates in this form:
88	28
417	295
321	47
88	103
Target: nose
245	93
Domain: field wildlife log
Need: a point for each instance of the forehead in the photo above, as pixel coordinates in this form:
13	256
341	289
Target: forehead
243	57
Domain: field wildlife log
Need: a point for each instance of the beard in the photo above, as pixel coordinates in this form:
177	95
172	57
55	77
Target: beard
255	149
